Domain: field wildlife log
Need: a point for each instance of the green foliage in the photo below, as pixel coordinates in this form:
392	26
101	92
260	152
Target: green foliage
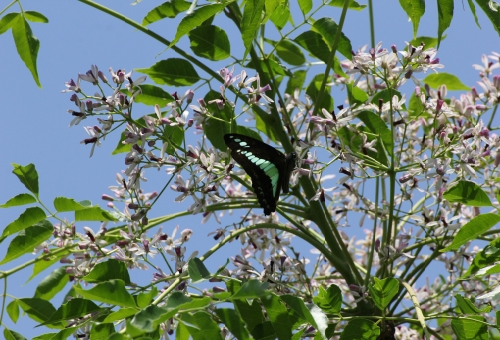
197	270
468	193
210	42
445	14
109	270
382	291
415	9
451	81
151	95
196	19
173	71
167	9
470	231
360	329
285	99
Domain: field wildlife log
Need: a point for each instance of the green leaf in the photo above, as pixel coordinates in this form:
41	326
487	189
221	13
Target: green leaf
305	6
111	269
470	231
27	46
473	11
376	125
178	301
302	311
173	72
329	300
36	17
120	314
487	256
416	108
210	42
251	313
144	299
208	328
29	217
67	204
280	16
149	319
328	28
250	22
52	284
61	335
385	96
268	66
215	128
290	52
264	331
470	329
28	176
94	213
122	148
488	270
197	270
468	193
13	310
134	332
313	43
382	291
278	315
313	91
111	292
181	332
296	82
352	4
102	331
7	21
299	335
320	319
48	260
174	135
445	14
360	329
168	9
270	8
196	18
201	326
377	159
427	41
251	289
21	199
25	243
467	306
9	334
415	9
73	309
233	322
451	81
310	313
356	95
37	309
151	95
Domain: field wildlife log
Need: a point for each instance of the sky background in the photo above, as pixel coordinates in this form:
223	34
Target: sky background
35	121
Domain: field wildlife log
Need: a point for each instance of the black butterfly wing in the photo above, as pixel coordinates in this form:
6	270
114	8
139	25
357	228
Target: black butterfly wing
265	165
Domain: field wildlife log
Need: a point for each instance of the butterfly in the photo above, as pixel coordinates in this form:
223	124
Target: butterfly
268	168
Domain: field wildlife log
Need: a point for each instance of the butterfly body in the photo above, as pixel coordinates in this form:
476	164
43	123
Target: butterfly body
268	168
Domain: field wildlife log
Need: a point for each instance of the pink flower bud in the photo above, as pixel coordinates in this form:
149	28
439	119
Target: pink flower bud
107	198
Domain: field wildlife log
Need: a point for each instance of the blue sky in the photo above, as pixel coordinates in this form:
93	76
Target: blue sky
35	122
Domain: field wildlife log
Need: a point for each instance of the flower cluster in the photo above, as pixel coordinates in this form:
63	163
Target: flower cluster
421	146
